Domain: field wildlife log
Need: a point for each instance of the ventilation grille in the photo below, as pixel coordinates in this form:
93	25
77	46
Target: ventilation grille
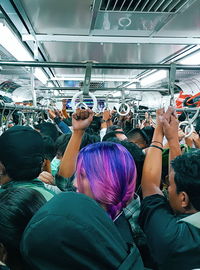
167	6
94	84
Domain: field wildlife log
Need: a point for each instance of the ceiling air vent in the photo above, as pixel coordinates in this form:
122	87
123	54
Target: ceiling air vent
167	6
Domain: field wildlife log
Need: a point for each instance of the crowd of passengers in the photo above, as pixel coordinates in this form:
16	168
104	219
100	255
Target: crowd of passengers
90	192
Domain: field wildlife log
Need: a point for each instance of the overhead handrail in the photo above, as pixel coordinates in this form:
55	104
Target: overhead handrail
83	104
106	102
123	108
189	124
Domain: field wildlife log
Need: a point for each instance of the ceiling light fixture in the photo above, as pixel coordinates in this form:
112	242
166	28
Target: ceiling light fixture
14	46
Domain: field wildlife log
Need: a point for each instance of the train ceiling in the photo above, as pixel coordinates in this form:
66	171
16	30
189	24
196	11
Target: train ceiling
104	31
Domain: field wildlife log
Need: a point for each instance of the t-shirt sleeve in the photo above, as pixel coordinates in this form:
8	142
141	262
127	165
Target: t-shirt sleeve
160	226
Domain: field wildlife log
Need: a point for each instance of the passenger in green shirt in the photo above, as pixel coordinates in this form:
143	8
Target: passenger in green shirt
172	227
21	160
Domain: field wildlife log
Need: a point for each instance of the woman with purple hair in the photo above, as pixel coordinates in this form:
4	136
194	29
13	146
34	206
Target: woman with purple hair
106	172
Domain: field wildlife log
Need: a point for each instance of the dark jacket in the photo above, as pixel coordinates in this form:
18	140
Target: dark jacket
72	231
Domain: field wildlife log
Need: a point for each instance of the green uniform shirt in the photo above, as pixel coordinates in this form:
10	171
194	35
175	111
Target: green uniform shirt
174	241
34	184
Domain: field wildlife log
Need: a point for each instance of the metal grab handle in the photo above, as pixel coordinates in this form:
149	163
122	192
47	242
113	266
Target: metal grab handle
188	125
81	104
74	107
106	105
125	112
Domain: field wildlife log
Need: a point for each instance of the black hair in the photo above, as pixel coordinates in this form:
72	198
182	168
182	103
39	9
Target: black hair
149	131
187	177
197	128
63	140
49	147
138	134
138	157
112	128
48	129
61	144
95	126
17	206
111	132
89	139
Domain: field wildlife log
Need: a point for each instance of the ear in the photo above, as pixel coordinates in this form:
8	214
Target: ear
3	253
185	202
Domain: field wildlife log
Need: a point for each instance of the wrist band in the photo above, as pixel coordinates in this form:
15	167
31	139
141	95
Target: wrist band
103	121
155	146
157	142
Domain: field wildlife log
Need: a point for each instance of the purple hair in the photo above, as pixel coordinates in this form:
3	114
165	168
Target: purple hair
111	172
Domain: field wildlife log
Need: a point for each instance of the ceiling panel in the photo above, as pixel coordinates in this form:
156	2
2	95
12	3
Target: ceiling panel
60	16
109	52
186	24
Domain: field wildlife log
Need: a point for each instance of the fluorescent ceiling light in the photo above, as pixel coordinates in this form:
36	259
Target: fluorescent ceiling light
116	94
133	85
154	77
14	46
93	78
192	59
50	84
186	53
40	75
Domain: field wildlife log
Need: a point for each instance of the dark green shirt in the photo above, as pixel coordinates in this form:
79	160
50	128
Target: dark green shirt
174	243
34	184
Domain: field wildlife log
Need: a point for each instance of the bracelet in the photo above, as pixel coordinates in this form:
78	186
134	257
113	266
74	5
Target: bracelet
157	142
155	146
103	121
108	120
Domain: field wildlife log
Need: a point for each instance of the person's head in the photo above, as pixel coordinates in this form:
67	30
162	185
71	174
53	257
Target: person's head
49	129
149	131
71	231
106	172
22	153
61	144
17	206
49	147
115	131
139	157
139	137
63	140
184	188
95	126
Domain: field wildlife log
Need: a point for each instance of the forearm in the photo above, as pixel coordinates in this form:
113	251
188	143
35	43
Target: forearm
197	143
68	163
64	112
152	169
174	148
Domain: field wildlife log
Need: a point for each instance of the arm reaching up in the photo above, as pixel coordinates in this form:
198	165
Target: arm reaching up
80	121
152	169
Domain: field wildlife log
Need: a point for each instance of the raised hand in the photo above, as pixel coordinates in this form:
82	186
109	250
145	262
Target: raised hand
82	119
170	124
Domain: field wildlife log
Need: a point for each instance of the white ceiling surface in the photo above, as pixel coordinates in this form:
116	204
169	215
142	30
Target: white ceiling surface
76	17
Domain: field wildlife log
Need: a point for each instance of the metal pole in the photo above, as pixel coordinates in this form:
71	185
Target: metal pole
33	87
102	89
172	77
96	65
86	83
